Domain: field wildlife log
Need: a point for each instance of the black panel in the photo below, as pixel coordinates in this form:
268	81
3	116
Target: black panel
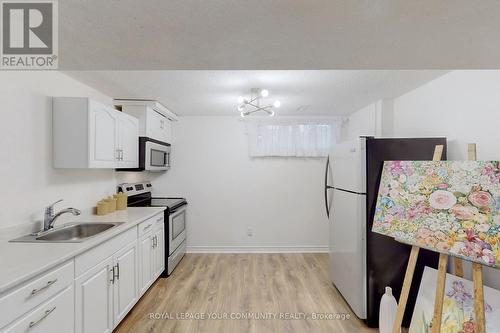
386	258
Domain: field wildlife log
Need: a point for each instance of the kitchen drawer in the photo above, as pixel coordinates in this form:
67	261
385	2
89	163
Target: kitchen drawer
55	315
95	255
27	296
150	224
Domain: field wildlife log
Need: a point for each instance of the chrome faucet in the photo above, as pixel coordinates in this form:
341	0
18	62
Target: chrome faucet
50	218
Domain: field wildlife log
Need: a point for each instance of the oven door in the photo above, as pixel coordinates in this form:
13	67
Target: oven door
176	228
157	156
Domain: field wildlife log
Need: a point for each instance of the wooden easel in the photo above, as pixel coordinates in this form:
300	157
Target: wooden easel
477	276
477	271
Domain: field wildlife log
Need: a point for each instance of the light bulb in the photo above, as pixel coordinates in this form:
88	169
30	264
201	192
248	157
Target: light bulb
241	99
243	114
277	104
241	107
271	113
264	92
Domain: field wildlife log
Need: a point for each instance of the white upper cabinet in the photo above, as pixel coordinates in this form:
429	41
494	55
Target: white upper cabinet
87	134
103	136
128	135
152	124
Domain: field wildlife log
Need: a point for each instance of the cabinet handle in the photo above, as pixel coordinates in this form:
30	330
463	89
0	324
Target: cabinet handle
49	283
112	270
153	242
147	227
121	154
45	315
118	271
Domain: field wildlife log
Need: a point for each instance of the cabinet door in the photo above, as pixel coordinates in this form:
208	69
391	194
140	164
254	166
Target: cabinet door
125	286
145	262
155	125
94	299
128	141
159	251
168	131
103	136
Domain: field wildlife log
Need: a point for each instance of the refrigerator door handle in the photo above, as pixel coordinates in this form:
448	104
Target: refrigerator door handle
327	187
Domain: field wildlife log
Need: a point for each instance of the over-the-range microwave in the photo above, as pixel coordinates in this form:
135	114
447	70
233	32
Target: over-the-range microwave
154	155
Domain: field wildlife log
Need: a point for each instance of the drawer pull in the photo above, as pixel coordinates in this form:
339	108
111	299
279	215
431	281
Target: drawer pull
45	315
49	283
147	227
159	219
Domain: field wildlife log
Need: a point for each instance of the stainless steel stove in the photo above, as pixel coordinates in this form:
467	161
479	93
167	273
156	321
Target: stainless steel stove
139	195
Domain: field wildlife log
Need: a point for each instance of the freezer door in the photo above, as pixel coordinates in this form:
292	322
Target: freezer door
347	248
348	165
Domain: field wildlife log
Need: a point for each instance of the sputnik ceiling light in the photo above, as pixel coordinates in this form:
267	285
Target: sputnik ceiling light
251	105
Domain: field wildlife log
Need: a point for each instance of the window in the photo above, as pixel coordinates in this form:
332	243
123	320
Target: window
293	137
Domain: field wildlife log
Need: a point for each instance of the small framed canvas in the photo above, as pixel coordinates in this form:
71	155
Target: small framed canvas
452	207
458	305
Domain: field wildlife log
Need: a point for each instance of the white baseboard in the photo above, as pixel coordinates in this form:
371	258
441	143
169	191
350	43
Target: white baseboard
257	249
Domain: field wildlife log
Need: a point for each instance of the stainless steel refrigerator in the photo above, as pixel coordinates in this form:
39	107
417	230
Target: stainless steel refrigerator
363	263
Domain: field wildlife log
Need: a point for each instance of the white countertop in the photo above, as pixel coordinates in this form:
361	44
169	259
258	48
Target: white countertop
22	261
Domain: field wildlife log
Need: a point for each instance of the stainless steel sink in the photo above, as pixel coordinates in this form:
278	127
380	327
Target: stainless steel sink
68	233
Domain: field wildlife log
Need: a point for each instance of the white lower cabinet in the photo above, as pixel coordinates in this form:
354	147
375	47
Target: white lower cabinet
106	292
145	262
159	250
152	254
92	292
125	286
55	315
94	299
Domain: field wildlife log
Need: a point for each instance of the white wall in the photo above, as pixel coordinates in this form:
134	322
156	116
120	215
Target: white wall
228	192
375	119
361	122
464	106
27	178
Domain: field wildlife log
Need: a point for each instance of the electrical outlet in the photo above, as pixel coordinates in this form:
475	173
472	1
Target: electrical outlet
249	232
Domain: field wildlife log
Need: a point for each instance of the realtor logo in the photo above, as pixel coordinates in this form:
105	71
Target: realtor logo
29	34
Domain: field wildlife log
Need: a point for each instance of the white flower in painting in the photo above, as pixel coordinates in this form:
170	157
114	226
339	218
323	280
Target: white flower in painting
402	178
482	227
496	219
468	166
442	199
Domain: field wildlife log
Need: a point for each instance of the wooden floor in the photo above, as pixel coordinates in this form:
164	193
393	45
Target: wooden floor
233	285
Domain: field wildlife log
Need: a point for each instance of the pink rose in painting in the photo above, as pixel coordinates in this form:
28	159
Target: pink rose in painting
442	199
480	198
443	186
423	233
468	327
443	246
463	212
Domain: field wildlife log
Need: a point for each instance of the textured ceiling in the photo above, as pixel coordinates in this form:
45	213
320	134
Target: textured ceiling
279	34
322	92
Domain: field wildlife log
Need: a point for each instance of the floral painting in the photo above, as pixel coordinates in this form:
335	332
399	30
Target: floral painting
458	306
451	207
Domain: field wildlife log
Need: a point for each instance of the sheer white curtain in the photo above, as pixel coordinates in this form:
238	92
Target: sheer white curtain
292	137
